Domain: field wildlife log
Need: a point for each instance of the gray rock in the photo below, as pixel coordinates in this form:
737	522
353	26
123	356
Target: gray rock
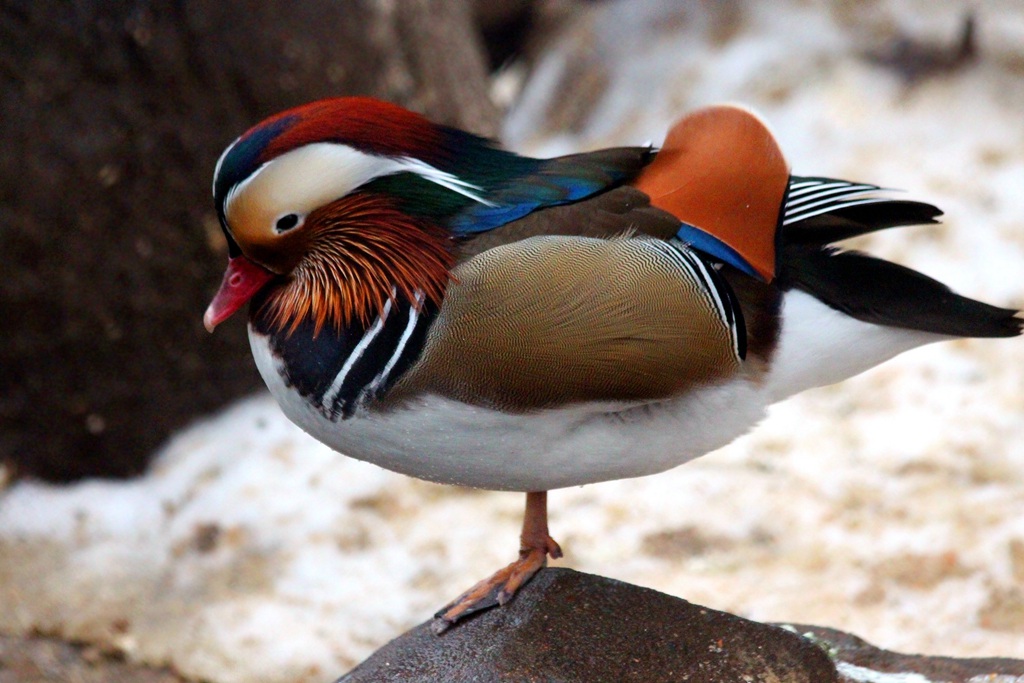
859	661
565	627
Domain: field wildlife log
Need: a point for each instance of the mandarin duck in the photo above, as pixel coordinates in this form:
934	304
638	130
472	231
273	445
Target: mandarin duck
427	301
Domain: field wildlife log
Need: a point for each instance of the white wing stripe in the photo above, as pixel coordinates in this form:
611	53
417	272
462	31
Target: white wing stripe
729	319
826	192
677	250
811	212
831	201
815	186
803	183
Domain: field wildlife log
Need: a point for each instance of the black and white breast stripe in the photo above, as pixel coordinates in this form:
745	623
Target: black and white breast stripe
715	287
809	197
339	371
343	380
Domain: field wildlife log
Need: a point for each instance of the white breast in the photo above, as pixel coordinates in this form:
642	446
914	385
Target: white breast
453	443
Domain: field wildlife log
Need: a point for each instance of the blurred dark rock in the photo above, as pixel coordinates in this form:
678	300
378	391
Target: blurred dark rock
114	114
567	627
914	59
505	27
38	659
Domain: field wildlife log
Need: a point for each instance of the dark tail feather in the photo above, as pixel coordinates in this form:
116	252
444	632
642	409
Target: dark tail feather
864	287
884	293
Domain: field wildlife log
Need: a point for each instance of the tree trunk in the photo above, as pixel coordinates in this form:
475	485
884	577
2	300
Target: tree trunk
114	114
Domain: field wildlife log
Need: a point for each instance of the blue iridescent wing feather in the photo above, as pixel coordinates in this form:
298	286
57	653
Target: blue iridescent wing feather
550	182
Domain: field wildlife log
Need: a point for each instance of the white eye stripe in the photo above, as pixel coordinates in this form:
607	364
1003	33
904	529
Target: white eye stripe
313	175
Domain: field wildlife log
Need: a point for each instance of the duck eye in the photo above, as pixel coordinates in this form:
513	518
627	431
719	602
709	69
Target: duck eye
287	222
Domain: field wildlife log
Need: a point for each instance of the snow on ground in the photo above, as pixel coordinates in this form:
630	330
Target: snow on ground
891	505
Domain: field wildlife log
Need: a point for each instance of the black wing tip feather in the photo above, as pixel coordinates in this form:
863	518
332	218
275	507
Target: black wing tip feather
877	291
992	321
1015	322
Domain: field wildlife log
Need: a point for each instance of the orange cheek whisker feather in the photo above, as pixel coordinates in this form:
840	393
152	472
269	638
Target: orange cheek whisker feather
363	251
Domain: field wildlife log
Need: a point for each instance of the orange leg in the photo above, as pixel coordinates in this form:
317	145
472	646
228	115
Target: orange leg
534	548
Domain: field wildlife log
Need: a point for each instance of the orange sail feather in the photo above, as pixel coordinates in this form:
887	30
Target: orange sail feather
721	170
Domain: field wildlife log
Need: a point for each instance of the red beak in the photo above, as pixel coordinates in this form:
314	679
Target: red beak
242	280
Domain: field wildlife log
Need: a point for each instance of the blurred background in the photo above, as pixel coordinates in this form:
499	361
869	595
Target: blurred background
892	505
